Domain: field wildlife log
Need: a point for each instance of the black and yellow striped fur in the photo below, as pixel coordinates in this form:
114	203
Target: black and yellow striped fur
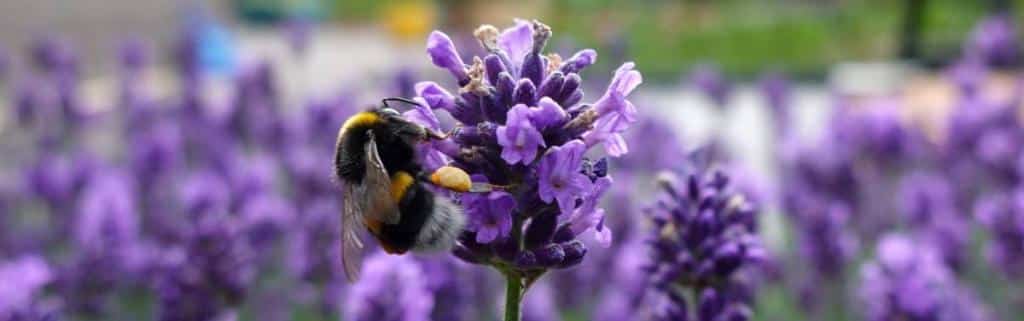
425	220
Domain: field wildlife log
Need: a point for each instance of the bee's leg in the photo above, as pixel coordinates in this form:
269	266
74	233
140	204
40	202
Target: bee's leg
479	187
440	136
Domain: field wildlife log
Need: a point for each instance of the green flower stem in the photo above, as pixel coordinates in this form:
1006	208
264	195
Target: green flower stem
513	296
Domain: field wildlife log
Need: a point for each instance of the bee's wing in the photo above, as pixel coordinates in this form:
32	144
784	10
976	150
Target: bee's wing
379	204
370	200
351	223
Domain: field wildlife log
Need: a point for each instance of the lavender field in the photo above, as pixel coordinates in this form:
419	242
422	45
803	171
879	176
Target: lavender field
192	177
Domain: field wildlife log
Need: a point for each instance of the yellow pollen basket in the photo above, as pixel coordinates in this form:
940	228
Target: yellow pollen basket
452	178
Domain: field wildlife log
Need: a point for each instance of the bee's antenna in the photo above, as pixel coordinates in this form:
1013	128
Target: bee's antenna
398	99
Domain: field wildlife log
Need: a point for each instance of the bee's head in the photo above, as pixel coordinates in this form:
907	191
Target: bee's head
401	127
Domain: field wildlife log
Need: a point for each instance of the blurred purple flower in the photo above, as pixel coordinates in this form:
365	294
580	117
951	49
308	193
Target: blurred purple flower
250	176
155	152
929	204
467	291
969	75
21	282
265	219
50	54
539	305
107	214
908	281
628	296
994	40
393	288
1002	214
133	55
203	192
299	33
710	81
316	247
211	272
315	252
825	237
775	88
51	178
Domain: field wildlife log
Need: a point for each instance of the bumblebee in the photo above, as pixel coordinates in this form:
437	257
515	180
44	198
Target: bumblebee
384	187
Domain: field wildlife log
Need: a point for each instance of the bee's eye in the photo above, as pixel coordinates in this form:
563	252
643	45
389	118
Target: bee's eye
389	112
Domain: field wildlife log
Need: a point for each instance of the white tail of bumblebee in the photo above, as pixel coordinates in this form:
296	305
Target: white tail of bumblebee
442	227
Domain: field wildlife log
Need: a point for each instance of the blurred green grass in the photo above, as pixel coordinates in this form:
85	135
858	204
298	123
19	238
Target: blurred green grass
744	38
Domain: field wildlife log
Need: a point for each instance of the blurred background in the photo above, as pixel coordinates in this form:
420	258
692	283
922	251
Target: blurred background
126	122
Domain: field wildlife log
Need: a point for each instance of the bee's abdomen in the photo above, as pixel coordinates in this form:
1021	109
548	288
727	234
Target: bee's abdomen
442	227
415	208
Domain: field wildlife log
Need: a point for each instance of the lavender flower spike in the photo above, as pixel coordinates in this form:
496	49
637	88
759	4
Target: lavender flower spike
443	54
518	138
703	239
520	125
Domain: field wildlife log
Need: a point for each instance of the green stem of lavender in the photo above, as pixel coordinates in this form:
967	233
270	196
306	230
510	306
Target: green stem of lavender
513	296
514	280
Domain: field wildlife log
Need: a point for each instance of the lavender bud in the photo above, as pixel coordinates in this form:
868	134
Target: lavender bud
563	234
541	229
443	54
552	85
550	255
507	250
467	109
526	93
533	63
494	109
505	89
574	253
710	305
569	86
533	68
494	67
526	260
573	98
580	60
728	257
